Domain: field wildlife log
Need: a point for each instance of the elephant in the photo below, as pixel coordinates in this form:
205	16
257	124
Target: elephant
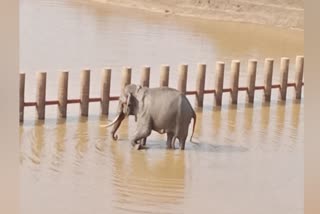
163	109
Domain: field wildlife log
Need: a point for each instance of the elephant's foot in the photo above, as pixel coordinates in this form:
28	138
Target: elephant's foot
169	145
169	140
143	141
173	146
134	143
182	146
138	146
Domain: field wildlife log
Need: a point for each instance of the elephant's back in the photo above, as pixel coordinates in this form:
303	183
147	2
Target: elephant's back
164	95
169	97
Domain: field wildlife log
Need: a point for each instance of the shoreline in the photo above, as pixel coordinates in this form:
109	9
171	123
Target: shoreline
265	12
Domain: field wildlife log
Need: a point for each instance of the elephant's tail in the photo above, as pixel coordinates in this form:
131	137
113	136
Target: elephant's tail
194	116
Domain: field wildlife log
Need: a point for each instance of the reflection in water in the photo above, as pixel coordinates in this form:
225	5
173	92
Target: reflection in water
248	115
265	115
82	137
198	128
232	116
146	181
59	146
38	142
295	114
61	137
216	121
280	115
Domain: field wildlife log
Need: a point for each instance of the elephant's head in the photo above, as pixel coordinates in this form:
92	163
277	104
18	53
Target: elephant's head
128	105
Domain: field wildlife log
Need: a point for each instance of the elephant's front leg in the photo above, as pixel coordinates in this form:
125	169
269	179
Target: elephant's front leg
140	135
142	142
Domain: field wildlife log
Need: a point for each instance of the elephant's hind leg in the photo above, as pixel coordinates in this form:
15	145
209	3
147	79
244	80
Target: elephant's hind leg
143	141
173	142
169	140
182	143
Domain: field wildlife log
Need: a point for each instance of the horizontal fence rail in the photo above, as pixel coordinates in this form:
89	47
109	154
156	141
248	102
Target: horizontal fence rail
199	91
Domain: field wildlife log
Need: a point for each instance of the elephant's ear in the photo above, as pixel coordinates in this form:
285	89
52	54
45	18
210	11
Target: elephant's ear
128	104
140	95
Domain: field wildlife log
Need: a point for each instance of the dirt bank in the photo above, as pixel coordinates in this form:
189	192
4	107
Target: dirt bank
281	13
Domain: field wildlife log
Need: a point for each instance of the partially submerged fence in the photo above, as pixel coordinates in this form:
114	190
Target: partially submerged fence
217	91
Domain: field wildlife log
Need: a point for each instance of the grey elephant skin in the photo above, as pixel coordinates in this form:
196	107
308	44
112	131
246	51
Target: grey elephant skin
163	109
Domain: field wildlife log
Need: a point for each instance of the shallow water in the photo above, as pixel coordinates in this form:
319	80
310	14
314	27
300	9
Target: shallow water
250	157
245	158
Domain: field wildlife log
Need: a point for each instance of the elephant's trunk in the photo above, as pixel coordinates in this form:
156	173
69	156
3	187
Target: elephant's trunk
116	125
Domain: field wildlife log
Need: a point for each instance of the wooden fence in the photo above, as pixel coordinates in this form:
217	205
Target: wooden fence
199	92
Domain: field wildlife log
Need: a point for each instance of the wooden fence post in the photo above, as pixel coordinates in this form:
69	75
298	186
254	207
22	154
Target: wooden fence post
63	94
105	91
41	95
200	84
84	92
21	95
145	76
219	78
126	78
299	75
182	79
235	69
164	76
284	71
252	70
268	72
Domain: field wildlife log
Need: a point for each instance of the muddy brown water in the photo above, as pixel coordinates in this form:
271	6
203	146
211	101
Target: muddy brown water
245	158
